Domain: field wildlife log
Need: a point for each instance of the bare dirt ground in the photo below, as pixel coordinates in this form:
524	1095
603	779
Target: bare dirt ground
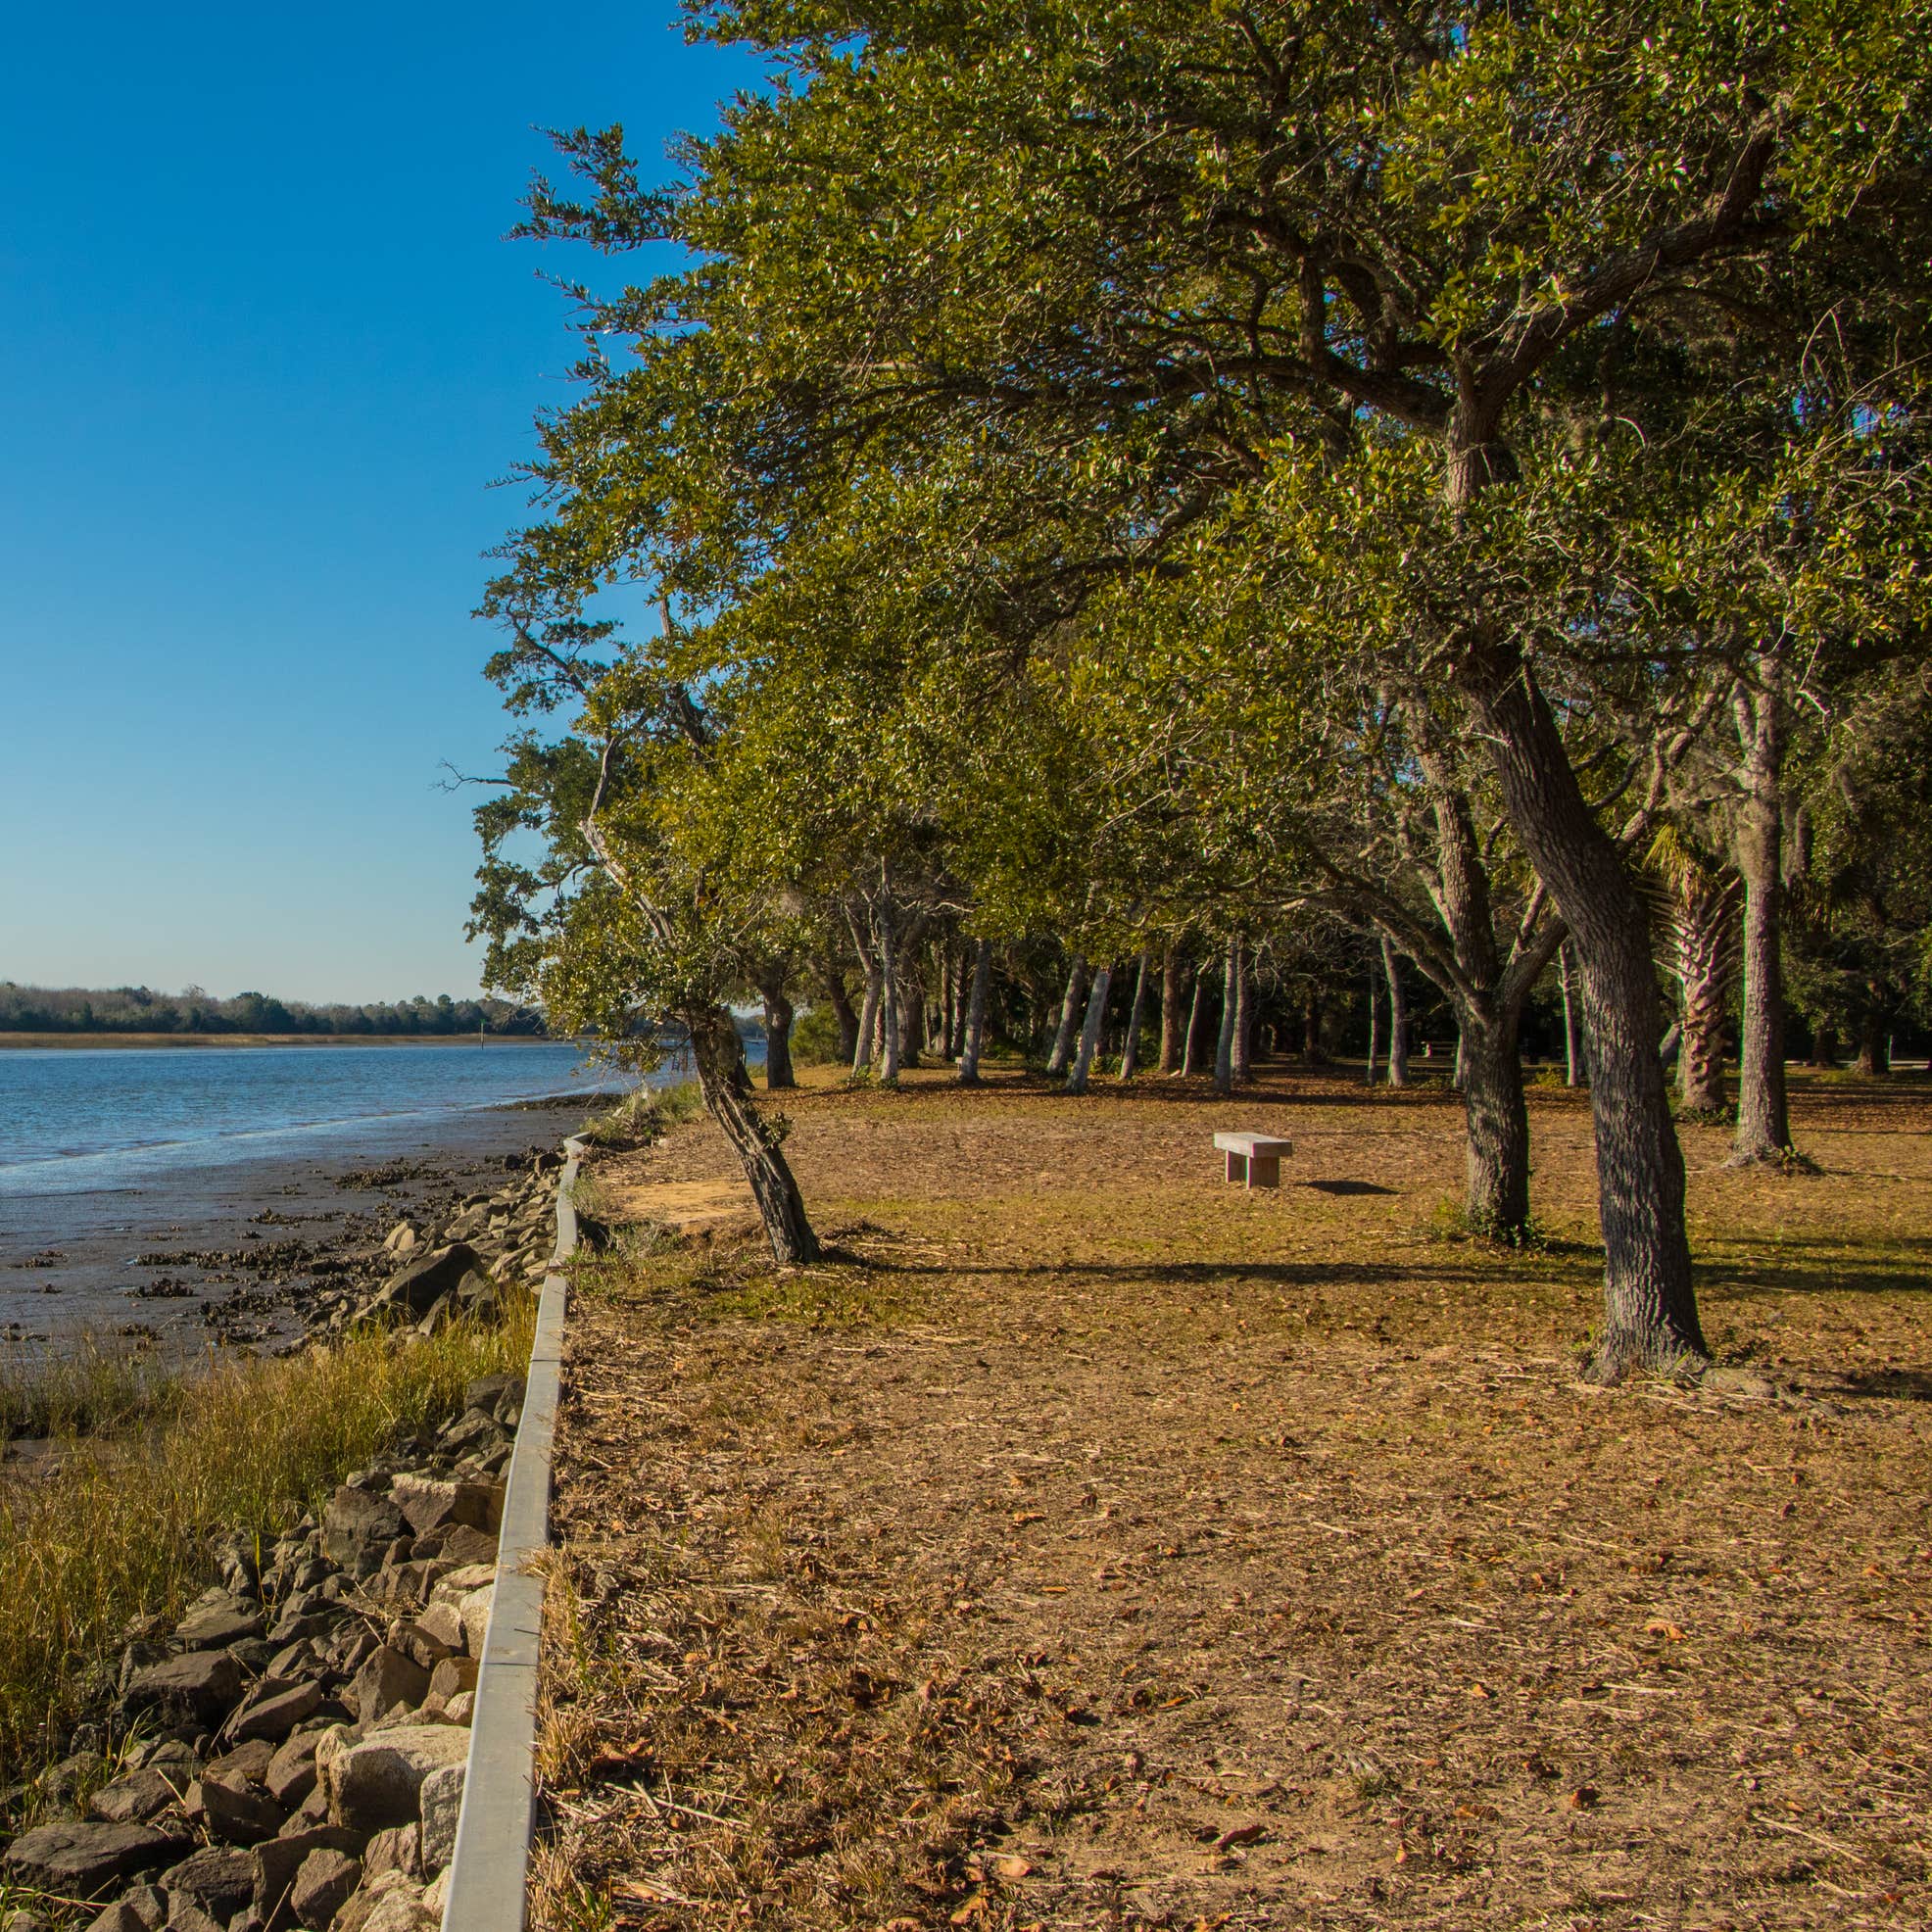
1092	1544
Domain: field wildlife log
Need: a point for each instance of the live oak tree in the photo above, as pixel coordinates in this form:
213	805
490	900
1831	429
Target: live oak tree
1073	280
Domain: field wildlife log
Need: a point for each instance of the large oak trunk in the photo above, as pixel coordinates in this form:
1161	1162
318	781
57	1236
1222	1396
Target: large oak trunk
1650	1309
841	1010
727	1090
1231	1001
1129	1053
1496	1194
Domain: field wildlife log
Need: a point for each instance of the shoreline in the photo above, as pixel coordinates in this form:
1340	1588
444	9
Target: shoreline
121	1041
241	1256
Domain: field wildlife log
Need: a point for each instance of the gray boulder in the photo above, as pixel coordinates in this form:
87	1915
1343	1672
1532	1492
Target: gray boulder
378	1782
219	1880
140	1795
218	1619
424	1280
83	1859
441	1803
203	1684
358	1519
322	1887
274	1709
390	1678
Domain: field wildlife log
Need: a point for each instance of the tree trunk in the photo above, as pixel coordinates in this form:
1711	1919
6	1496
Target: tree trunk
1231	999
1188	1052
778	1038
1496	1193
1372	1026
1824	1046
1650	1309
1129	1054
1174	1046
1243	1043
976	1016
1874	1049
868	1019
1572	1044
1764	1115
1398	1019
890	1038
841	1010
727	1090
1313	1052
1090	1033
1070	1008
912	1019
948	1004
1705	946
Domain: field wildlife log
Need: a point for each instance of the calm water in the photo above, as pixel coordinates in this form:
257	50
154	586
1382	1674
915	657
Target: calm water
108	1152
75	1120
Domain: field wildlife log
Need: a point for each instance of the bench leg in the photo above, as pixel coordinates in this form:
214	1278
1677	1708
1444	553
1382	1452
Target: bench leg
1238	1166
1265	1171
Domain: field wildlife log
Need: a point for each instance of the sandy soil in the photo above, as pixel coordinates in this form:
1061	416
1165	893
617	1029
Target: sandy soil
1089	1543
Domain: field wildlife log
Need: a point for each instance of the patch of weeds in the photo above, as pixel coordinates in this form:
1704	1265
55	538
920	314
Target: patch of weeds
1450	1220
835	1295
645	1115
1705	1116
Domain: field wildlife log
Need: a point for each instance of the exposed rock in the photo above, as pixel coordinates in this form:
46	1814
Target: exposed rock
441	1801
474	1610
123	1915
452	1675
133	1798
389	1678
218	1619
428	1503
401	1911
184	1915
461	1708
219	1879
246	1764
357	1519
291	1772
400	1239
442	1621
83	1859
422	1282
322	1887
272	1713
399	1848
278	1859
201	1683
376	1783
234	1815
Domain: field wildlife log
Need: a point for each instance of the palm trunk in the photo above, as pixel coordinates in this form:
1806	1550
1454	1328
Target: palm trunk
1230	997
1193	1024
727	1090
1173	1048
1650	1308
1090	1033
1070	1008
1398	1019
1764	1115
1705	937
1130	1055
976	1016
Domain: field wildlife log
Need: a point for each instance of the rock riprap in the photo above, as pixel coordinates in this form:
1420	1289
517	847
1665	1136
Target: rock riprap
291	1752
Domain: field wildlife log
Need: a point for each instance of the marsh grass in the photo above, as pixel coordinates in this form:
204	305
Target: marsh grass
122	1523
89	1386
645	1114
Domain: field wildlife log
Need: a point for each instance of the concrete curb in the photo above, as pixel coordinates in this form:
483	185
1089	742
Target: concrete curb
487	1872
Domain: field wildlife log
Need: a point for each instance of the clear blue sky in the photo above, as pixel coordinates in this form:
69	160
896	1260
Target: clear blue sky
262	353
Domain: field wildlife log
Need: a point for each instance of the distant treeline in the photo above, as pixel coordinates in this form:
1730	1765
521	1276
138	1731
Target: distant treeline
139	1009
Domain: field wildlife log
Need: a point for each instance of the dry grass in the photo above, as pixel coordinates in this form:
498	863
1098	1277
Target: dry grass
115	1525
1089	1544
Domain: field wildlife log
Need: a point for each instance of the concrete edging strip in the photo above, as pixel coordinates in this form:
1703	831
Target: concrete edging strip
492	1857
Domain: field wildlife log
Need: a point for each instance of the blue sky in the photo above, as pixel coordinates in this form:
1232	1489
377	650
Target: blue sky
262	353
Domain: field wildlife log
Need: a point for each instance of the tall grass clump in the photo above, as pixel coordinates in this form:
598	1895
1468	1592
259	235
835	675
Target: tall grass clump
645	1114
86	1386
122	1525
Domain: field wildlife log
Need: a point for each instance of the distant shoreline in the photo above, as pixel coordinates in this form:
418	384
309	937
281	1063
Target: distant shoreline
73	1040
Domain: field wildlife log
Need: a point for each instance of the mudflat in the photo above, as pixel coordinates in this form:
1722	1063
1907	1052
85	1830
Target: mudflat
1089	1543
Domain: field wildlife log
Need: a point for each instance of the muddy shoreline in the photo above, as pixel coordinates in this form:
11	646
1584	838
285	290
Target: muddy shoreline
241	1256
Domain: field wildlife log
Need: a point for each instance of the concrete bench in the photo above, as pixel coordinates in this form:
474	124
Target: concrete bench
1254	1159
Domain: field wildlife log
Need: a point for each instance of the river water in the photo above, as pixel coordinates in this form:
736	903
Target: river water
107	1151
